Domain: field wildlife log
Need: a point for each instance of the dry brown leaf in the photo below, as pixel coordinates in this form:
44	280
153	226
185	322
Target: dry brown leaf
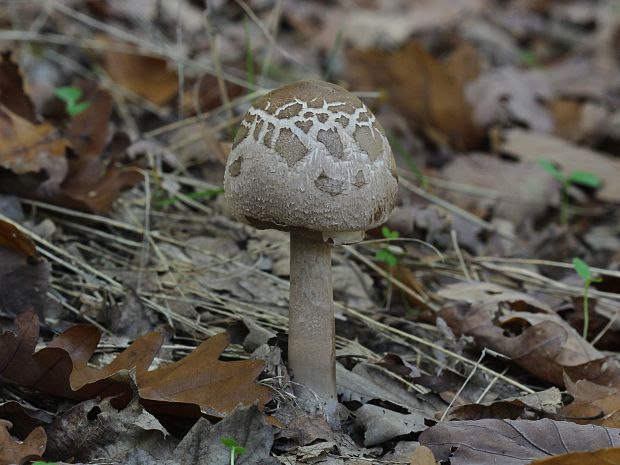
12	94
61	368
510	95
547	401
12	238
24	282
542	343
423	89
422	456
14	452
150	77
29	148
93	178
610	456
530	146
593	403
513	442
528	199
203	383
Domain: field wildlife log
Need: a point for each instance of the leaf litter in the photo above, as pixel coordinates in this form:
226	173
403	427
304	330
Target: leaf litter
472	95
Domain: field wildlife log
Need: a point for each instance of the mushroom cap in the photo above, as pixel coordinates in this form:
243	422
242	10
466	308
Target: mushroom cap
310	156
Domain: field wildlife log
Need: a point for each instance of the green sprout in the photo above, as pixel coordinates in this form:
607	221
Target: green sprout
235	449
41	462
71	95
584	272
582	178
384	254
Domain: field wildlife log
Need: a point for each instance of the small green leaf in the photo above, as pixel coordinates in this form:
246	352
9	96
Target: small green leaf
388	233
229	442
239	450
77	108
385	256
585	178
583	270
68	93
550	168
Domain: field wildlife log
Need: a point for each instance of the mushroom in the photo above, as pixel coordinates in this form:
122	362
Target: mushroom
310	158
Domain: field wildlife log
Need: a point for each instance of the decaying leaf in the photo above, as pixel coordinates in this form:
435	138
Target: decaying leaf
512	408
94	430
422	456
530	146
518	191
150	77
15	452
30	148
426	91
608	456
246	425
12	238
204	383
542	343
513	442
12	94
593	403
378	424
61	368
507	94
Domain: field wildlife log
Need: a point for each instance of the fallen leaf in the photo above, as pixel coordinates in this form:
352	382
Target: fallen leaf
378	425
12	94
489	295
92	430
245	425
511	95
24	283
593	403
205	384
24	419
15	452
544	402
542	343
532	147
150	77
12	238
61	369
513	442
609	456
30	148
527	198
422	456
424	90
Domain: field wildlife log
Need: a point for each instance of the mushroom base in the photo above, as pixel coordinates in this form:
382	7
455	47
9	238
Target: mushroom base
311	342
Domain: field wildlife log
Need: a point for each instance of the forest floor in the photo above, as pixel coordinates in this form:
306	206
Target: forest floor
142	324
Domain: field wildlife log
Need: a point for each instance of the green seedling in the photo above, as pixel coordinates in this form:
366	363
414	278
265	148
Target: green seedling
582	178
384	254
584	272
71	95
235	449
41	462
198	195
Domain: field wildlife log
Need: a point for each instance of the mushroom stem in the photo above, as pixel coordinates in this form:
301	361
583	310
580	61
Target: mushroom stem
311	342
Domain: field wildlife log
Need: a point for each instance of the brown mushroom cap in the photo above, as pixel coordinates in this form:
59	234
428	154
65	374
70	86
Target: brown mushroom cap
310	156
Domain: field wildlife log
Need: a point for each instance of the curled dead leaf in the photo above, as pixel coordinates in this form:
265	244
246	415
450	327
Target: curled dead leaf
15	452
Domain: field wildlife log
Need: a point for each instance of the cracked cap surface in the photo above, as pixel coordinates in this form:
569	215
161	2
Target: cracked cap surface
310	156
